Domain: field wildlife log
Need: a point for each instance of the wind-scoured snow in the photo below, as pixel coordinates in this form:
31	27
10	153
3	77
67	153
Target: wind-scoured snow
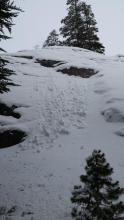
65	118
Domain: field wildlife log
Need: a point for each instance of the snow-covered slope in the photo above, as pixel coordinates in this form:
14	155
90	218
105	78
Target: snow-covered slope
65	118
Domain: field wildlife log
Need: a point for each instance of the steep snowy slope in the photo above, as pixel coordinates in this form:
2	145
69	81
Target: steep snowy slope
64	117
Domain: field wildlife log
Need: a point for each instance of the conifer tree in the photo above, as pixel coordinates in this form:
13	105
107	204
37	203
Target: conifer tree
91	39
98	196
52	39
71	24
5	81
79	27
8	11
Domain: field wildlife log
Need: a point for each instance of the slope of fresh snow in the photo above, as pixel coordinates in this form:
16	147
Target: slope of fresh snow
65	117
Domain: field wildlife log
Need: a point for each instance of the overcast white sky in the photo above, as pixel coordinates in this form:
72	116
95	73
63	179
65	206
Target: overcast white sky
41	16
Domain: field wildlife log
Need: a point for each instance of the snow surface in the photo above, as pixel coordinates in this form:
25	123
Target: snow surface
65	117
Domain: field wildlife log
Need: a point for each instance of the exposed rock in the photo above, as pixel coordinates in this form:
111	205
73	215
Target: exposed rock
9	138
49	63
120	132
113	115
22	56
8	111
82	72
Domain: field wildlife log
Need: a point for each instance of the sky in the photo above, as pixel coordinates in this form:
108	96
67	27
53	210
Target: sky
41	16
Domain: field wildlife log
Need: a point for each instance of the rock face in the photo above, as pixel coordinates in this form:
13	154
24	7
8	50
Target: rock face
49	63
120	132
72	71
9	111
65	117
9	138
82	72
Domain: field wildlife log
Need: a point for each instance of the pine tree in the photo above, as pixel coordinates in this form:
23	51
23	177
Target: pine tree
79	27
71	24
4	76
52	39
98	196
8	11
91	39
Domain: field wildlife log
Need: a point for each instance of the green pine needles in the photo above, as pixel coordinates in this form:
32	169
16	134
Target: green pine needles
79	27
8	11
98	196
52	39
5	81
